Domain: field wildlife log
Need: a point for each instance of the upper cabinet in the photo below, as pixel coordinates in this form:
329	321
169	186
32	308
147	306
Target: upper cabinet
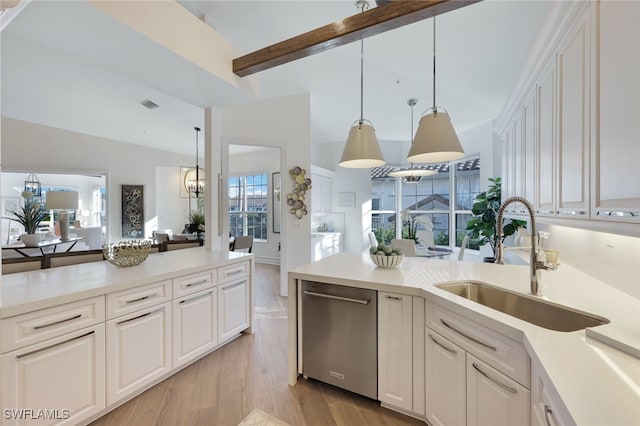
574	107
615	148
321	190
570	140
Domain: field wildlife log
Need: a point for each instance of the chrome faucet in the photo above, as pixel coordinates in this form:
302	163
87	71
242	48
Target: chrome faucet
538	260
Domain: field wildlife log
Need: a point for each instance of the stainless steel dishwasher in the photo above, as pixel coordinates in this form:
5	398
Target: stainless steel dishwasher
339	336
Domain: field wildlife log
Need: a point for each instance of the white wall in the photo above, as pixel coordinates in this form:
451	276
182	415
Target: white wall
284	123
263	161
611	258
30	146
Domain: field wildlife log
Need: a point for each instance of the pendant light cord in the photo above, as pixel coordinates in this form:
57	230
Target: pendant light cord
434	65
363	6
197	191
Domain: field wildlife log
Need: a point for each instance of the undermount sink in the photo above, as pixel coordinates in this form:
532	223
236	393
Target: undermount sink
541	313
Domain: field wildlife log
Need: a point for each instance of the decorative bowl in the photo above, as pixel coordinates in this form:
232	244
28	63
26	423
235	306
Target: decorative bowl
127	253
385	261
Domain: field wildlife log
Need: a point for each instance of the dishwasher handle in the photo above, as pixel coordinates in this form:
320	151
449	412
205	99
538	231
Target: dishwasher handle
330	296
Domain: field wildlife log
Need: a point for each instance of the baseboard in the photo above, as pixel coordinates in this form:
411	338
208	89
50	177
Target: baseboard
268	260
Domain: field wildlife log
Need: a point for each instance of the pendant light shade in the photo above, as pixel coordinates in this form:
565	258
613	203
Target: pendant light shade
362	150
436	140
412	174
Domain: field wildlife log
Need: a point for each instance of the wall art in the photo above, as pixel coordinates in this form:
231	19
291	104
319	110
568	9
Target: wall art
133	211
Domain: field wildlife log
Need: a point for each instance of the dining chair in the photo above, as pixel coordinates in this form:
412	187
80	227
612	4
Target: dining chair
243	243
465	242
408	247
22	264
74	257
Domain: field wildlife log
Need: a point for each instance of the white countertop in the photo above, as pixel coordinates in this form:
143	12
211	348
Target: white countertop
599	384
28	291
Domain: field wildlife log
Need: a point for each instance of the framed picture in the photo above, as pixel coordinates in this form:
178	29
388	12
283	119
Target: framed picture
276	188
132	211
347	199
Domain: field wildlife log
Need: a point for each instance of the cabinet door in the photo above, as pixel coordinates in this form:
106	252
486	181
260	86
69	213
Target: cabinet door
529	147
65	375
494	399
395	334
233	308
547	408
138	350
574	86
546	137
615	150
195	326
445	381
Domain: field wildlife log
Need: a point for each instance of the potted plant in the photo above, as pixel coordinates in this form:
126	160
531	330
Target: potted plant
482	227
29	215
196	222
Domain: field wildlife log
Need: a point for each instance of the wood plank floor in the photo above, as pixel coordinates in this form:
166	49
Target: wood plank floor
250	372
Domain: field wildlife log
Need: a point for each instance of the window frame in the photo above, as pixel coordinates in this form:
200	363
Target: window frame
243	213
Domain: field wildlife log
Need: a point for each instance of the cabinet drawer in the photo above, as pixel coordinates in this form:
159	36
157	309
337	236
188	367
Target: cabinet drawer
233	272
192	283
34	327
132	299
501	352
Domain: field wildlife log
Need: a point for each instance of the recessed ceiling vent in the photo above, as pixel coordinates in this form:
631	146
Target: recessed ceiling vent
149	104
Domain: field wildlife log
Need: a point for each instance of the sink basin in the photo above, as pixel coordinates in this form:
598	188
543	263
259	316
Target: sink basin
541	313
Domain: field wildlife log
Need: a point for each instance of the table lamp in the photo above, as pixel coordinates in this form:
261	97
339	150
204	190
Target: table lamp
63	201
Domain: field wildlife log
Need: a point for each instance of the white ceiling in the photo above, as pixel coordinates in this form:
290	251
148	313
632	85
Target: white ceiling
65	64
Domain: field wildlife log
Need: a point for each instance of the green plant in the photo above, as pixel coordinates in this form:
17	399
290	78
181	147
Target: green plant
196	221
384	235
30	215
482	226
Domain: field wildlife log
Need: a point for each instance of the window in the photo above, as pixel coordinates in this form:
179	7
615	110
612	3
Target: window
248	206
430	197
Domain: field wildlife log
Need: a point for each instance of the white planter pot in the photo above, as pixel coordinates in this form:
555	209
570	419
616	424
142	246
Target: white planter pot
31	240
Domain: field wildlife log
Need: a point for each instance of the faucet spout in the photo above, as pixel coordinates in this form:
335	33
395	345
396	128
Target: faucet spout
537	260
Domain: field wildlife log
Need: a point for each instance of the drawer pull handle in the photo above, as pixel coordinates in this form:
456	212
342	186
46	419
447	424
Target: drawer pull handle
197	297
502	385
197	283
394	297
330	296
239	271
548	411
493	348
140	316
57	344
140	299
38	327
451	351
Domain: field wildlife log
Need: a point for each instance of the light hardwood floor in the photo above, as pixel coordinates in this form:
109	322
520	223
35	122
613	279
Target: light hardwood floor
250	372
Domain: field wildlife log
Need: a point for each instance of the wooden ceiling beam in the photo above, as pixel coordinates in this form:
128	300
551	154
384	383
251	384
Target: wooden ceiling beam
362	25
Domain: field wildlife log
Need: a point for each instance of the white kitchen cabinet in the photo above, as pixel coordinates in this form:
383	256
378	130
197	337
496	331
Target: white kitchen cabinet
615	149
138	350
446	382
574	109
395	350
195	325
233	308
546	141
529	149
547	408
494	399
321	190
62	373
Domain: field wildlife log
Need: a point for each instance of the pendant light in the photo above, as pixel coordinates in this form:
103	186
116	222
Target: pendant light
436	140
362	149
32	184
195	184
412	174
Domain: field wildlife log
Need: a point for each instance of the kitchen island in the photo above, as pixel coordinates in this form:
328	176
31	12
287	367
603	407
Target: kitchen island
81	340
585	381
